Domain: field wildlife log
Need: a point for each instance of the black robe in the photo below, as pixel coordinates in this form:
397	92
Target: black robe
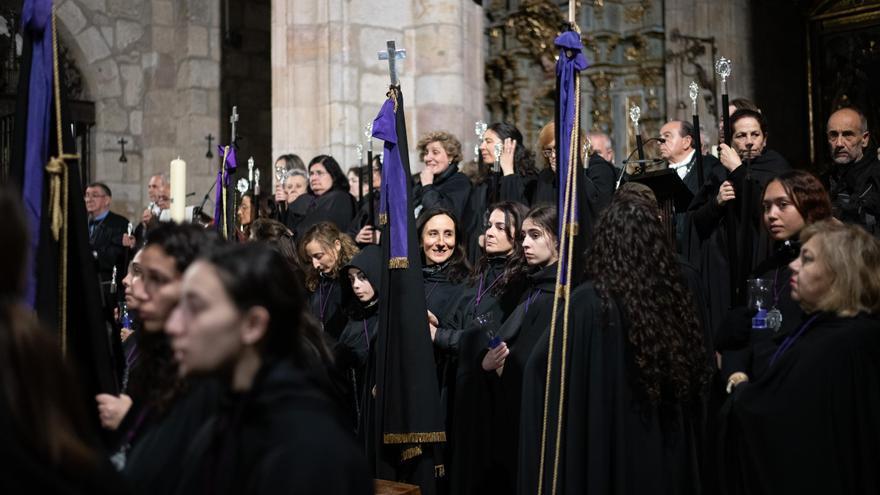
855	192
153	464
749	350
714	231
358	338
449	190
612	442
487	417
325	303
335	206
811	424
283	436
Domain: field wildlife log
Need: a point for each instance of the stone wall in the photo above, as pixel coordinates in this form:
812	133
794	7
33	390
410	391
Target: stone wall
697	33
327	82
152	69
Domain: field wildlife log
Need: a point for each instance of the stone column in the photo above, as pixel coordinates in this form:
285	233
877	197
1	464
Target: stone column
327	81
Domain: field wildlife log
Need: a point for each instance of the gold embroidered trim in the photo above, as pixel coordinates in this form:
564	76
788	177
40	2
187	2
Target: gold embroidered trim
570	229
411	452
383	219
398	263
437	436
439	471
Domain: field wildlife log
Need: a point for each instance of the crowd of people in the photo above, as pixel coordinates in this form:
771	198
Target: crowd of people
739	355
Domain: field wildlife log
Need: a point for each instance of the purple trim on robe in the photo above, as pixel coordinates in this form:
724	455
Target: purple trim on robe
223	181
36	18
567	69
393	193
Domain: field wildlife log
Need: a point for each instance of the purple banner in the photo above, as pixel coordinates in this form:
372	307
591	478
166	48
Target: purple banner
571	62
393	193
36	19
224	177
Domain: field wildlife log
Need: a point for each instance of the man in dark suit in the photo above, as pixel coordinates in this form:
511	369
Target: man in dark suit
107	232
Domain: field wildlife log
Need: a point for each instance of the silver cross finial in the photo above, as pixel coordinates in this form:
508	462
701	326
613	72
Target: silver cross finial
233	119
634	114
723	69
392	54
694	93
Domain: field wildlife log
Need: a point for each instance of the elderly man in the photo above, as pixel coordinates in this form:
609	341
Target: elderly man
603	146
159	193
854	176
107	232
677	148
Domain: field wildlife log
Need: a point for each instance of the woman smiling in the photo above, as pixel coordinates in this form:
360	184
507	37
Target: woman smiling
441	185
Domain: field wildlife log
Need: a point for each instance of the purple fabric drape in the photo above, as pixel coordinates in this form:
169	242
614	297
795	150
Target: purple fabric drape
36	18
224	177
392	196
571	62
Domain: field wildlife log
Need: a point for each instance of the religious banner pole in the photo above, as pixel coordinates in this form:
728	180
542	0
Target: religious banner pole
371	219
570	63
698	139
223	185
360	173
723	69
408	427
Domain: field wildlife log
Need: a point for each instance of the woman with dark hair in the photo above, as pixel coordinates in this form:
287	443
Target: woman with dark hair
164	411
811	423
323	251
246	214
487	462
327	198
514	180
624	407
791	202
725	238
242	320
444	266
441	185
49	444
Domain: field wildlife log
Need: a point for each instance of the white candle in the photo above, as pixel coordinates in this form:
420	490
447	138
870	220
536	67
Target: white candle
178	190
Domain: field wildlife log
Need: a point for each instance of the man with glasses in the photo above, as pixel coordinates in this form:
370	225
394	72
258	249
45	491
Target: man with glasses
106	237
854	177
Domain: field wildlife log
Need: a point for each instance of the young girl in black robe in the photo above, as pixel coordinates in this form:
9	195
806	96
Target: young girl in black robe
324	250
792	201
360	301
623	410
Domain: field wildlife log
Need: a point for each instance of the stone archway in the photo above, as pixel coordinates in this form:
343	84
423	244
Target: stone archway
152	68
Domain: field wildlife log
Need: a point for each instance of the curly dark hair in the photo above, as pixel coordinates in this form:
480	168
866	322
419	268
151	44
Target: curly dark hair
632	263
515	268
459	268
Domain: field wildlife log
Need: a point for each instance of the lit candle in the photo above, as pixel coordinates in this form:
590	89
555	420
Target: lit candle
178	190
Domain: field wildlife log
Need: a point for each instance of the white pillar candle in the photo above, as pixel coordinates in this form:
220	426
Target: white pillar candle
178	190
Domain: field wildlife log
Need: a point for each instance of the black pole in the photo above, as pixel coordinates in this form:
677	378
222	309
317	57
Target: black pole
698	149
640	147
744	263
725	113
371	220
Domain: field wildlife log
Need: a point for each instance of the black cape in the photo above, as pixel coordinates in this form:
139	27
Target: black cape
715	232
353	349
325	304
487	414
612	443
811	424
449	190
334	206
855	192
284	436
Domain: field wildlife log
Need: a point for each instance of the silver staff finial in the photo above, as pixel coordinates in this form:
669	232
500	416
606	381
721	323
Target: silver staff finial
694	93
